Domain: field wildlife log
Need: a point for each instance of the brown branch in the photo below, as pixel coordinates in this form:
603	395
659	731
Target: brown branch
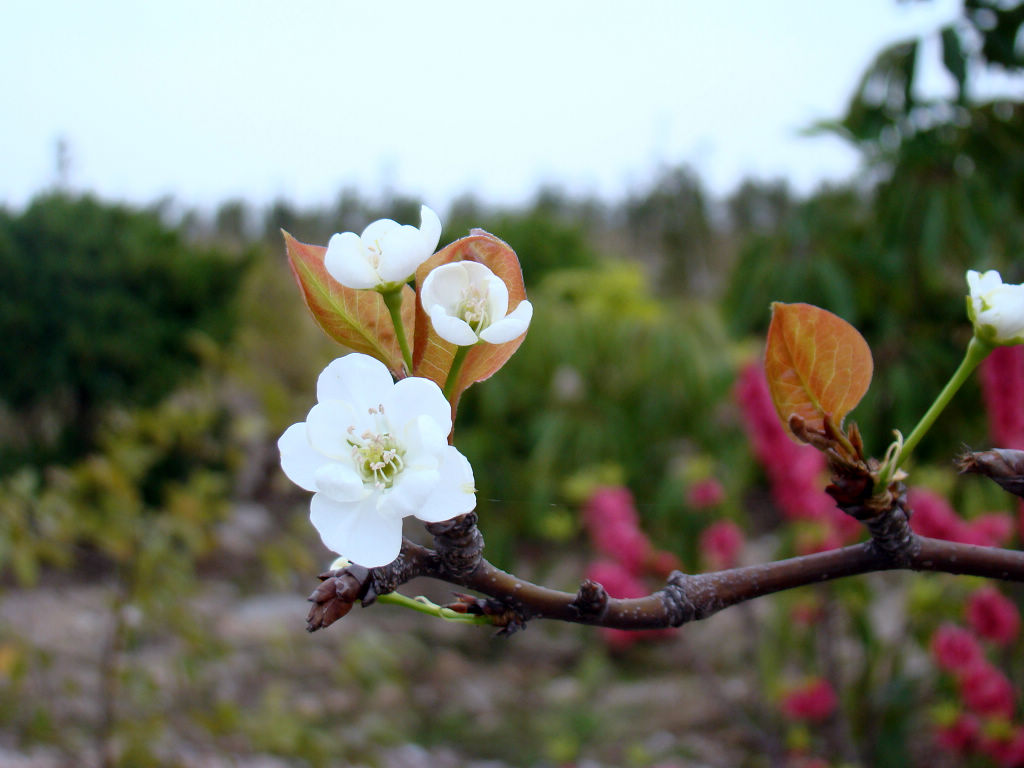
686	597
511	602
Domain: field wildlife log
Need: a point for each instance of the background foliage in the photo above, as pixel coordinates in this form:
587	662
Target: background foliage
150	363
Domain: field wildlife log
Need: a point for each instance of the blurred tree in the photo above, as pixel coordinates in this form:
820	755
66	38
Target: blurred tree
232	221
759	207
547	236
672	222
944	193
103	304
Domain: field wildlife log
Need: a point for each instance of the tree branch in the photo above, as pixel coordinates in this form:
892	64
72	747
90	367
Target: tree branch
511	601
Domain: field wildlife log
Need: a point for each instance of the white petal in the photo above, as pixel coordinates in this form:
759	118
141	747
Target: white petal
374	539
430	228
1007	310
445	285
355	378
983	282
454	494
511	327
973	277
497	297
332	520
347	262
413	397
299	459
411	489
328	428
476	272
402	251
452	329
357	530
424	442
376	230
340	482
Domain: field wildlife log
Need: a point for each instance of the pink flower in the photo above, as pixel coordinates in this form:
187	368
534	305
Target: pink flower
932	516
614	527
720	543
795	471
954	648
705	494
995	528
961	736
986	691
993	616
610	505
1008	750
1002	387
662	564
813	701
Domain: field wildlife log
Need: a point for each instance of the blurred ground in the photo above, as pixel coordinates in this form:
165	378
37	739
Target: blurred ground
382	688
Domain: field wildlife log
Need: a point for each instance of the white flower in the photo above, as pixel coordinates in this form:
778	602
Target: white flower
467	303
375	452
996	308
385	256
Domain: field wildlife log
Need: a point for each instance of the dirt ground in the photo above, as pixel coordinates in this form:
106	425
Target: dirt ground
383	688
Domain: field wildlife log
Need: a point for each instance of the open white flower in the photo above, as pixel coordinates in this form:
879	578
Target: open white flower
996	308
375	451
467	303
385	256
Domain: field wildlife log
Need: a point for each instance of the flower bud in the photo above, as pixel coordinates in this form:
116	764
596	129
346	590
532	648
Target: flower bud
385	256
1003	465
468	303
996	308
336	595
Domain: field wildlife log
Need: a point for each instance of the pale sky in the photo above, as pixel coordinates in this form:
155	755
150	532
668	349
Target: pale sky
204	100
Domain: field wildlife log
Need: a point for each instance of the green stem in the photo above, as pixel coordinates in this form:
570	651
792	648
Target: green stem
453	372
393	301
976	352
422	605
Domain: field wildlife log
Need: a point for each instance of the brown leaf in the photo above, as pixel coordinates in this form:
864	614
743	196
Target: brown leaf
359	320
816	364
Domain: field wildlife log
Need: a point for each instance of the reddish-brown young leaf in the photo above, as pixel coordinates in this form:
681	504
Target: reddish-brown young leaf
816	364
359	320
432	355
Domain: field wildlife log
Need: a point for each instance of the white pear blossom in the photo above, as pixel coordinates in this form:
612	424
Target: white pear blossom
467	303
374	452
996	308
385	256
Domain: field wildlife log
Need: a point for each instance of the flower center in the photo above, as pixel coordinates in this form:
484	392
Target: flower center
377	455
375	252
474	308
